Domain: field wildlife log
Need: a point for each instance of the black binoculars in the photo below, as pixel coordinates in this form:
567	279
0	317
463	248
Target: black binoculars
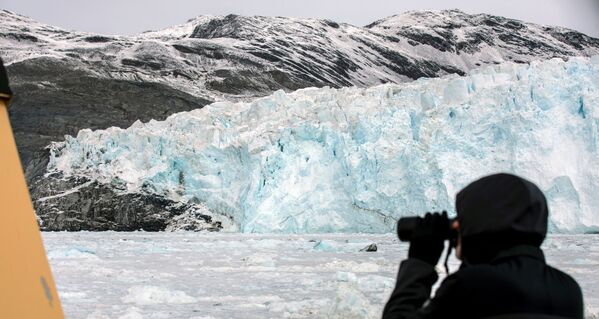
407	225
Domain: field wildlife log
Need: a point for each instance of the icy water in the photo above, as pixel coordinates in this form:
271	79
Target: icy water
219	275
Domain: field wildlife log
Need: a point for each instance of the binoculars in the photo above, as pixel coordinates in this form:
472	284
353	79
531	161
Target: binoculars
407	225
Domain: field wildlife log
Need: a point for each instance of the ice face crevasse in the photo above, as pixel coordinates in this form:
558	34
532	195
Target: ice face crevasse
351	159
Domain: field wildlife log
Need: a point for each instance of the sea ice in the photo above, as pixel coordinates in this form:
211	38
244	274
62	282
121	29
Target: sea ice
232	275
149	295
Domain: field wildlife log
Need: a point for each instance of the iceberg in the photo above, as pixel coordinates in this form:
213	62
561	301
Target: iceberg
355	159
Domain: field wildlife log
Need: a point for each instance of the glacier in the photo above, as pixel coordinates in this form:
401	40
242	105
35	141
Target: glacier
355	159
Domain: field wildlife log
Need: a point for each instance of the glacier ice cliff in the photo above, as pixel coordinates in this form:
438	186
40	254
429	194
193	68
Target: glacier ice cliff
353	159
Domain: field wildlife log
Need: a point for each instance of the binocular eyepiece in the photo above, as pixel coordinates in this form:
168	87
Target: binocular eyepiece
406	227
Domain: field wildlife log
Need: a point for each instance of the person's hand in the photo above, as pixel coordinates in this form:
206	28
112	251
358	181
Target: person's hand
428	237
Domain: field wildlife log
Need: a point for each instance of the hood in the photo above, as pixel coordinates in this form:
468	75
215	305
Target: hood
502	203
497	212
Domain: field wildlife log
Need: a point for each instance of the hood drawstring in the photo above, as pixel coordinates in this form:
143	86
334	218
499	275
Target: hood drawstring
452	244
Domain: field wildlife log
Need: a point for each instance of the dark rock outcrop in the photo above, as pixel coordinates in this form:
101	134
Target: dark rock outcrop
77	203
370	248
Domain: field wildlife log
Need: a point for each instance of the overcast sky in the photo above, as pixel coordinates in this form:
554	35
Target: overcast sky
134	16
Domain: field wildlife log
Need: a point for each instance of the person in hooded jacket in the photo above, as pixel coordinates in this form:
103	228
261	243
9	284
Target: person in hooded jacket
5	92
501	223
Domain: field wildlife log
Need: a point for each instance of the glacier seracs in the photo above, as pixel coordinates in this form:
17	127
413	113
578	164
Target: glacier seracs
355	160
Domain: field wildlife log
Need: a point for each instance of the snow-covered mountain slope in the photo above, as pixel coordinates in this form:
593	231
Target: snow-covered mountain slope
353	159
66	81
198	56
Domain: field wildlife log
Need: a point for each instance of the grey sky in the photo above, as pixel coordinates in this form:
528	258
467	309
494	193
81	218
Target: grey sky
134	16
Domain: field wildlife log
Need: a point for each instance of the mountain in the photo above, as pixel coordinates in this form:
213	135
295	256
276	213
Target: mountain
354	159
66	81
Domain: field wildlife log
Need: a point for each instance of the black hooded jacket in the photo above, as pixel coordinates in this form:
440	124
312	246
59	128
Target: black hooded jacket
503	221
5	92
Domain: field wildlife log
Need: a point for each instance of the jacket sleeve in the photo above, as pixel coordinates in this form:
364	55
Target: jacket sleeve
412	291
414	281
